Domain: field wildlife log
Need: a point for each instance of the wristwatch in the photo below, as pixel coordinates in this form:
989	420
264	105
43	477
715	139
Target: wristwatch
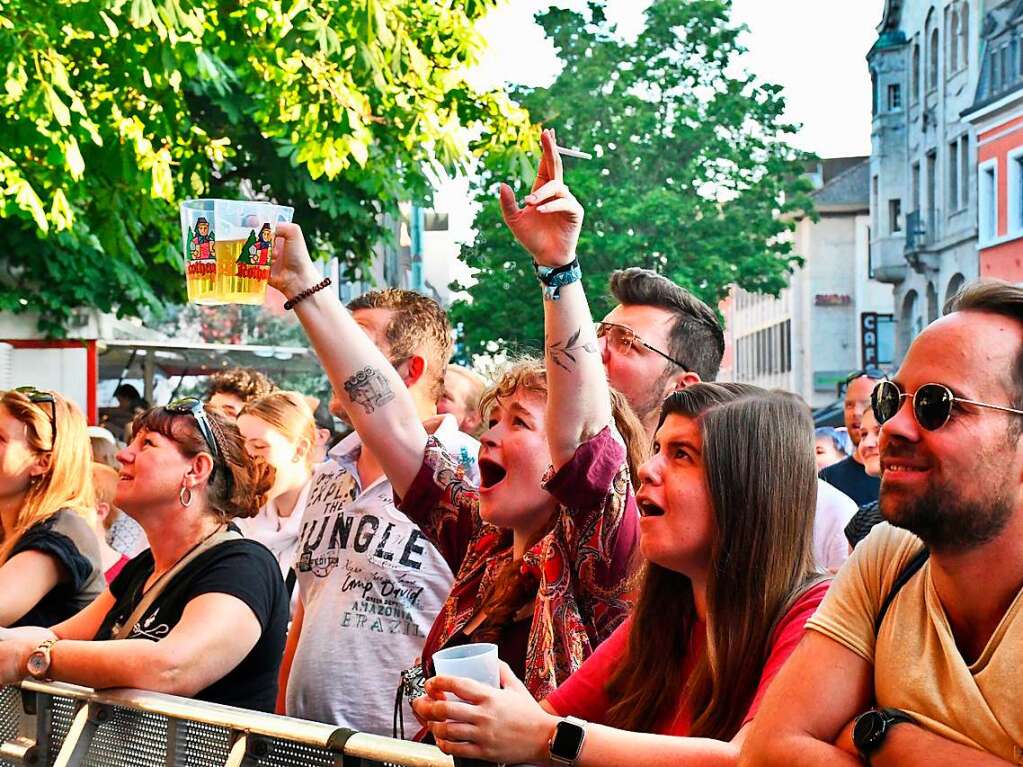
566	743
39	661
871	728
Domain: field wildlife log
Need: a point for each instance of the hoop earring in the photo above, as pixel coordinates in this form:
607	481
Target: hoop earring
185	496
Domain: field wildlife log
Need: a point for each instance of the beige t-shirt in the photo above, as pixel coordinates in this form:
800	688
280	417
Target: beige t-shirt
917	666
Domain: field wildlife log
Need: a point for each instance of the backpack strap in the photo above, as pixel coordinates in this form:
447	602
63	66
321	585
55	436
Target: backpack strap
121	631
908	572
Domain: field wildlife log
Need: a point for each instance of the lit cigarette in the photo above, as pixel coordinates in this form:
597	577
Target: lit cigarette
574	153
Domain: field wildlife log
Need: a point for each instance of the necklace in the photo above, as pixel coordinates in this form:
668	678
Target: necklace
199	543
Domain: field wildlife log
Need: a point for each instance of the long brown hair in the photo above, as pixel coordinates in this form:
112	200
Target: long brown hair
759	463
242	489
67	481
512	588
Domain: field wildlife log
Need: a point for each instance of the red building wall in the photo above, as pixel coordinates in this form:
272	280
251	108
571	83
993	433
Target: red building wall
1003	259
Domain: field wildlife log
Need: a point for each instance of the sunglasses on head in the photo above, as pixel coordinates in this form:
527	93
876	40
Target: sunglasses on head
193	406
39	397
932	404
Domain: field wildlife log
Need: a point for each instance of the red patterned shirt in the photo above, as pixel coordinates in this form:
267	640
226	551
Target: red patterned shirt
582	564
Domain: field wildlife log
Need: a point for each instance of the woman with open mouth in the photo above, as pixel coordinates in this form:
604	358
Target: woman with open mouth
727	506
541	549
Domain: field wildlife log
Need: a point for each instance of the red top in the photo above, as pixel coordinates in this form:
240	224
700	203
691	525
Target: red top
115	568
582	564
584	695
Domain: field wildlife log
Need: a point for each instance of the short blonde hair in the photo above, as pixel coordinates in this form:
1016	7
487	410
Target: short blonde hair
104	480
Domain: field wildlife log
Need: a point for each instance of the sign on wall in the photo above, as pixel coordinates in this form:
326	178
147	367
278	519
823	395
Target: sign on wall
877	335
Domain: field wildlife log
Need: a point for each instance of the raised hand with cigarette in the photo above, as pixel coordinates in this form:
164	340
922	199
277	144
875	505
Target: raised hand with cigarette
549	223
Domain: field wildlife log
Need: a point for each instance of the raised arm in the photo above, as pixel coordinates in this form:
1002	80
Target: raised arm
578	403
374	396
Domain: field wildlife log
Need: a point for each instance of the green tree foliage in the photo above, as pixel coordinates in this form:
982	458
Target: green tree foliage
115	110
692	175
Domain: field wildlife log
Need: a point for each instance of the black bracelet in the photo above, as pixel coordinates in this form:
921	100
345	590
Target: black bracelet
306	293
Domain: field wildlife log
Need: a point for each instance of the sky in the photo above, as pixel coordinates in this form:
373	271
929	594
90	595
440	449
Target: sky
814	49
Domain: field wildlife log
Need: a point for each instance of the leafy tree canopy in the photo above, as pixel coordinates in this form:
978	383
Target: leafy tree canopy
692	175
115	110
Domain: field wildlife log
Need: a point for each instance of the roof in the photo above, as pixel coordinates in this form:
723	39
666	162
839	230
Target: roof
1001	28
849	188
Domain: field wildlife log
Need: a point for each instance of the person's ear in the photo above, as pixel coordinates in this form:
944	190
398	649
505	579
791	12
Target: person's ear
415	367
41	465
304	447
681	381
102	511
200	470
322	435
471	423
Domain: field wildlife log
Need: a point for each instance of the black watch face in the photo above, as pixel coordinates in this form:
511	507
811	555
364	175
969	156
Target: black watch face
869	730
568	738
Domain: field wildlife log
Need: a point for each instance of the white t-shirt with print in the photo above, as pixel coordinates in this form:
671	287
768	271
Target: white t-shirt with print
371	586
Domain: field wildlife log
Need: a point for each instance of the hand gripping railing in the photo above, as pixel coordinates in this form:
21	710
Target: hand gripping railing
64	725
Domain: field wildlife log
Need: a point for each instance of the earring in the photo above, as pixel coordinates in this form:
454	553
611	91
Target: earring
185	496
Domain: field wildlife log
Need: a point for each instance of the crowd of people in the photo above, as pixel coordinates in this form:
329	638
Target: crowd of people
672	570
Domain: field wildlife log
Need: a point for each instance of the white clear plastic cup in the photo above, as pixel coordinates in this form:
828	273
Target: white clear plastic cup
471	661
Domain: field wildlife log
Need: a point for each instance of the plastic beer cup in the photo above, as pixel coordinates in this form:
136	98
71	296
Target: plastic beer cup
472	661
228	246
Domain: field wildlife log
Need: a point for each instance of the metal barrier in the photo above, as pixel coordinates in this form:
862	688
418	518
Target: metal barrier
61	725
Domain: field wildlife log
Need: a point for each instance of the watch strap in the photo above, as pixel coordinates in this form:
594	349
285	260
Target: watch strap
567	760
44	650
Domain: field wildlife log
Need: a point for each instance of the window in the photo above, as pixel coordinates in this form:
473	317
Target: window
953	40
953	176
894	97
874	200
895	216
996	72
873	92
964	182
1014	193
987	201
932	75
1006	67
931	220
964	35
914	93
916	186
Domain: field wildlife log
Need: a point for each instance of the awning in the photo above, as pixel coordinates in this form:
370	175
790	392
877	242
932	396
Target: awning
186	358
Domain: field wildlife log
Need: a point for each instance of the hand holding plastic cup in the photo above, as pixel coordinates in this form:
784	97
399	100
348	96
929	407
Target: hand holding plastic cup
228	246
472	661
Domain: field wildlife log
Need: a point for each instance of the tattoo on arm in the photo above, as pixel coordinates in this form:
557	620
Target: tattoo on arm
368	389
563	353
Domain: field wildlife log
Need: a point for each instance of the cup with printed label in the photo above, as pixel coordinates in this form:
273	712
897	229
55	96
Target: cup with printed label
228	246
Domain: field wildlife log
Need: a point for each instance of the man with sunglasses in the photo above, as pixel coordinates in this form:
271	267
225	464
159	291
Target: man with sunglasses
916	655
658	339
849	475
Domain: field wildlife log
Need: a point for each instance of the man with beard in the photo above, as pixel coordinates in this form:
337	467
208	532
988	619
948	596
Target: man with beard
906	666
658	339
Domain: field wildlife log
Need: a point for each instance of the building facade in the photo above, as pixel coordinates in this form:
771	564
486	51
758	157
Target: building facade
997	119
924	71
833	317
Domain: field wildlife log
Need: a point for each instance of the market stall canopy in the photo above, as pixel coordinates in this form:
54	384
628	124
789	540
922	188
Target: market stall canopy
187	358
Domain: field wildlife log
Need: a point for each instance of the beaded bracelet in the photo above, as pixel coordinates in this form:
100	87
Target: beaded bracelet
306	293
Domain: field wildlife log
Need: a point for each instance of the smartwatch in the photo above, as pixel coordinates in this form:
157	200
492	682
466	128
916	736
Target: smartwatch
39	661
871	728
567	741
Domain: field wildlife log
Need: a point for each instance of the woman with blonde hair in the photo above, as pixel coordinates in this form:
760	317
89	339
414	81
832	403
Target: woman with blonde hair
280	429
49	558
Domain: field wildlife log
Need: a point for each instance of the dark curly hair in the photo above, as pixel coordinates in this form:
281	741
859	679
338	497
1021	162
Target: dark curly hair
243	383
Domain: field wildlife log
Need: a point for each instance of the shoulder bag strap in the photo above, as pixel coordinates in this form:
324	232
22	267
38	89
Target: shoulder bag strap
157	588
907	572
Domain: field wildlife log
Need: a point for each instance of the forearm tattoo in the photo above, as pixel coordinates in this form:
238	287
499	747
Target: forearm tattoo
563	353
369	389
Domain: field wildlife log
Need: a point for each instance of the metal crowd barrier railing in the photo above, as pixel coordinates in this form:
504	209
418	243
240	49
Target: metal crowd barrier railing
60	725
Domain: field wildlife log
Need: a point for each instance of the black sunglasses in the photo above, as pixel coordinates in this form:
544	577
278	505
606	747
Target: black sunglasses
623	338
193	406
40	397
932	404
